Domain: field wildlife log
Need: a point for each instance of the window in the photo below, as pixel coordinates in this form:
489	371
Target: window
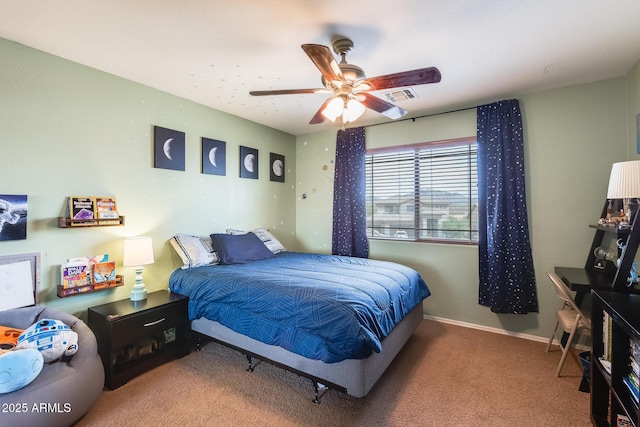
426	191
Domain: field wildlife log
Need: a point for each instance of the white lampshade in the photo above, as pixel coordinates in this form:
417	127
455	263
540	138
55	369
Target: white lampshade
624	182
138	251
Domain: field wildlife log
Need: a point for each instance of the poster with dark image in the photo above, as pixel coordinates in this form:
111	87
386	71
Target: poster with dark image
13	217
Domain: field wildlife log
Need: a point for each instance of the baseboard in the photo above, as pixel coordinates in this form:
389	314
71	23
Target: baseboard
496	330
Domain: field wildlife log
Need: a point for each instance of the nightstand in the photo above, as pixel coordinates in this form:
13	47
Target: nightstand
136	336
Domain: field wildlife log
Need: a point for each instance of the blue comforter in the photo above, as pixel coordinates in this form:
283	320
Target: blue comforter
322	307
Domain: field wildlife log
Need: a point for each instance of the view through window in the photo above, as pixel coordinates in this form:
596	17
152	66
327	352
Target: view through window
426	191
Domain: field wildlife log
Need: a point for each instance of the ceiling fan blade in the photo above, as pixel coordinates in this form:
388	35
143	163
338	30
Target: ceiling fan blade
406	78
319	117
324	60
286	92
383	107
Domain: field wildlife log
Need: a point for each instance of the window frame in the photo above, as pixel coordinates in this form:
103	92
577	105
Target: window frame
415	148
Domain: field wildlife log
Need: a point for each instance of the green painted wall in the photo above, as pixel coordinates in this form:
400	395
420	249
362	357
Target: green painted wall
633	90
572	136
66	129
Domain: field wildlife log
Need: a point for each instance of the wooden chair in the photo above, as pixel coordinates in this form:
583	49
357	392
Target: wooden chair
570	317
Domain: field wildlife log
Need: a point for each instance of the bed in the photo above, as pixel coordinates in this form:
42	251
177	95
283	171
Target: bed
338	321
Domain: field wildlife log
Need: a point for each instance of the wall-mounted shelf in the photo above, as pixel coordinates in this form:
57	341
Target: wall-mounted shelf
75	223
631	237
93	287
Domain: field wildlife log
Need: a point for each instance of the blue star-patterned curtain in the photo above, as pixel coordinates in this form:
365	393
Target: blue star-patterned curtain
507	278
349	211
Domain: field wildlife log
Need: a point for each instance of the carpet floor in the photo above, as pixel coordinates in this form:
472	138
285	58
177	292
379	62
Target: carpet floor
446	375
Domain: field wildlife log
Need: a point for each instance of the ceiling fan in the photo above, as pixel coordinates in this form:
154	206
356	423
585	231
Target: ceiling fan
350	86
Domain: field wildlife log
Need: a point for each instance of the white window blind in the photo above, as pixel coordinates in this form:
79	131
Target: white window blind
426	191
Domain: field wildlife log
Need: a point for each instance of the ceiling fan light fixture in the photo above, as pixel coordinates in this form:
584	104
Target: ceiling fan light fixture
334	109
353	111
361	86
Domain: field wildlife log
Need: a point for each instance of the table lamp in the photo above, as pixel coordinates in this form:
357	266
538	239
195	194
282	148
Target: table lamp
138	251
624	183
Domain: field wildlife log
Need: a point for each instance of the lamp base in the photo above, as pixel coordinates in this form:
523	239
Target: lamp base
138	292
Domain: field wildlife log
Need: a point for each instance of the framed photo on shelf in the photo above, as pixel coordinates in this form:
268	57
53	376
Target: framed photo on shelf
214	157
168	148
276	172
248	162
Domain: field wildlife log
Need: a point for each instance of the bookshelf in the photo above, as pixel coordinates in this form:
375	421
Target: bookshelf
65	222
615	322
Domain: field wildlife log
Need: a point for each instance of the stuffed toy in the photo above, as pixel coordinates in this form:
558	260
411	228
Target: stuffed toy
9	337
18	368
51	337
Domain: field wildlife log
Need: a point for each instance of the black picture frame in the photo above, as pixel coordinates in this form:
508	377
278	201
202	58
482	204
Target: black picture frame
248	162
276	167
214	157
168	149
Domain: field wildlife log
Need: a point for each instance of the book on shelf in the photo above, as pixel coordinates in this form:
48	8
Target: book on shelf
606	364
82	208
607	330
75	275
83	271
634	349
632	387
623	421
106	208
104	271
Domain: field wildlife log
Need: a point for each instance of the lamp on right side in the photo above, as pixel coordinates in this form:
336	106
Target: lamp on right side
624	183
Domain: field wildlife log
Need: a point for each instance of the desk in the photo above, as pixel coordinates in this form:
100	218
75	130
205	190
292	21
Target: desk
582	281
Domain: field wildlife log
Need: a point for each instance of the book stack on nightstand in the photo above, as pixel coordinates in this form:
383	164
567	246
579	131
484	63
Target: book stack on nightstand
136	336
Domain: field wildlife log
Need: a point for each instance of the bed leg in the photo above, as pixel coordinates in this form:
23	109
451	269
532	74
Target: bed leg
251	365
320	389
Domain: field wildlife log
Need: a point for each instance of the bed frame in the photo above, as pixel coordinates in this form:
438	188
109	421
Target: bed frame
352	376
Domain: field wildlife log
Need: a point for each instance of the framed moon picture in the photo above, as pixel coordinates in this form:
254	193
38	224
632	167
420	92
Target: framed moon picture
214	156
277	167
168	149
248	162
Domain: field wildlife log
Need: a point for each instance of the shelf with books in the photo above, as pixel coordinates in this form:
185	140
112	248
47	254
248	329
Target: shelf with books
90	211
615	369
87	274
64	222
63	292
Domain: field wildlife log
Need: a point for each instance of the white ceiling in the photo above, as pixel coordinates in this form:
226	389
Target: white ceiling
215	51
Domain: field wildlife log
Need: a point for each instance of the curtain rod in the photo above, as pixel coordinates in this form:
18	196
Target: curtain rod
422	117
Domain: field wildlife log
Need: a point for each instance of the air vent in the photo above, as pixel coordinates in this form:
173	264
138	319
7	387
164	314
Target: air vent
401	95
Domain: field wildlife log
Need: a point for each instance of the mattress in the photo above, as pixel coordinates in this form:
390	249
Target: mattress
322	307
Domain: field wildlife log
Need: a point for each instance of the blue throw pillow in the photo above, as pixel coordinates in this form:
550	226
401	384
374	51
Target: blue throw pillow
239	248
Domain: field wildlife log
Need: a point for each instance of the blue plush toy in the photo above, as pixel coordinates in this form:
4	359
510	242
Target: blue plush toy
51	337
18	368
